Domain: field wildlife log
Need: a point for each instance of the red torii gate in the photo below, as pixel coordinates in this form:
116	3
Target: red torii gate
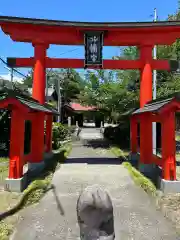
41	33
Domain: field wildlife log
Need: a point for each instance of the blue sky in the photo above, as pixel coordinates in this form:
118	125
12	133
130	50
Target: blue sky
77	10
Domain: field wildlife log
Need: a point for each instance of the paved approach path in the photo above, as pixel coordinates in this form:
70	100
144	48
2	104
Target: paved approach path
55	216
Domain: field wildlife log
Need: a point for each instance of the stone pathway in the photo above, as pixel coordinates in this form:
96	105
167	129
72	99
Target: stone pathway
55	216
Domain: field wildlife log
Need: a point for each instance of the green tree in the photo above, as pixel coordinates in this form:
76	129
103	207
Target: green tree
70	82
131	77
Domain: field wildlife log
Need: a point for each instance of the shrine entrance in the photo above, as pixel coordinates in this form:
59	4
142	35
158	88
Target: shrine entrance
41	33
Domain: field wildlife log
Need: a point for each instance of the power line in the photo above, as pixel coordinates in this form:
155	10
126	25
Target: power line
13	68
72	50
18	72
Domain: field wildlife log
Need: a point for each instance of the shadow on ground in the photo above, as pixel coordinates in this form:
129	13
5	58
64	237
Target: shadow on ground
177	163
59	205
96	143
114	161
49	167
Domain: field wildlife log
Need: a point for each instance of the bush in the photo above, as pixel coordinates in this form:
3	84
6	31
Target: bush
109	133
72	129
60	133
119	135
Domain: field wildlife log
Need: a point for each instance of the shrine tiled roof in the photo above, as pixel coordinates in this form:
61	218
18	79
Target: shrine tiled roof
156	105
26	100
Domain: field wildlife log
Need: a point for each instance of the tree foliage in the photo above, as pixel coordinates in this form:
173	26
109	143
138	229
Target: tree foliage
69	80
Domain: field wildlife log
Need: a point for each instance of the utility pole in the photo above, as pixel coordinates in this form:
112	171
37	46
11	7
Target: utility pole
154	89
59	99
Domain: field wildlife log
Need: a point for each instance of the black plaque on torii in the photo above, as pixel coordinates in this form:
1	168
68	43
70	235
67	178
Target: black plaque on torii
93	42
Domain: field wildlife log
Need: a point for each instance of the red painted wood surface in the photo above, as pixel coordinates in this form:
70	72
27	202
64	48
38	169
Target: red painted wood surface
73	35
37	138
39	80
16	155
79	63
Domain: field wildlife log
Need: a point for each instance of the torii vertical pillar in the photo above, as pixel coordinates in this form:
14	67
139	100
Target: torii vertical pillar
146	75
39	84
39	79
145	96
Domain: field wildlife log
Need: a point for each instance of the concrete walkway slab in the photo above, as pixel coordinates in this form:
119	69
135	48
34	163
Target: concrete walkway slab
136	217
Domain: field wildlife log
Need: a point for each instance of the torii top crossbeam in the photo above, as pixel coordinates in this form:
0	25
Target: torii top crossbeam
72	33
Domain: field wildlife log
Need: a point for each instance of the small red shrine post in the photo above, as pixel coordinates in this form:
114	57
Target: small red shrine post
163	111
16	144
169	147
24	108
37	137
145	138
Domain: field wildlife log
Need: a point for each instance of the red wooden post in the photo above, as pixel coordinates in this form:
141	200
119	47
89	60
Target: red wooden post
168	147
146	96
37	137
39	84
146	75
39	81
145	139
49	133
16	145
133	129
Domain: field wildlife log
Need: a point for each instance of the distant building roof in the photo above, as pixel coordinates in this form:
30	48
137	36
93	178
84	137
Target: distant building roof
27	101
79	107
155	106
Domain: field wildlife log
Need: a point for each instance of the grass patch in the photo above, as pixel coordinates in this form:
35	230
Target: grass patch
36	191
11	203
177	138
67	149
3	175
140	179
4	160
3	170
7	201
5	230
119	152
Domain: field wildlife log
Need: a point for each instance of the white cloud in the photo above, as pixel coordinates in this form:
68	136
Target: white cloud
8	77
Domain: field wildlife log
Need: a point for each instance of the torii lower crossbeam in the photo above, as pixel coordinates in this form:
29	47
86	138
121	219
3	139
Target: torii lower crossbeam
79	63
